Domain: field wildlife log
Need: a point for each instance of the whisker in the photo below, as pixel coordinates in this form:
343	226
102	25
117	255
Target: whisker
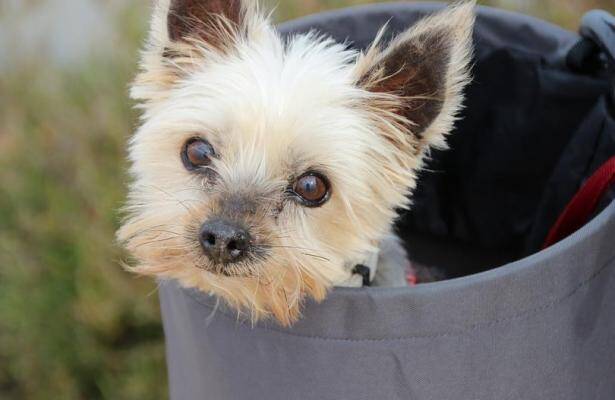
287	247
173	197
154	241
150	229
317	256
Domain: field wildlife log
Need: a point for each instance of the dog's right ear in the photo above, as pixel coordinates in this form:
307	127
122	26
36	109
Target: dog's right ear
184	33
214	22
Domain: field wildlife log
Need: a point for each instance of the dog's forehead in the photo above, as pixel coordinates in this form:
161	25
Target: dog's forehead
296	99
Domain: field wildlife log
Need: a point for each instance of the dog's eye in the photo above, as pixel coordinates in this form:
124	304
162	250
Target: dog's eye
313	189
197	153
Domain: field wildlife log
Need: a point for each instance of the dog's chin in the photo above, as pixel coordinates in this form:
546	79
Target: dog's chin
226	271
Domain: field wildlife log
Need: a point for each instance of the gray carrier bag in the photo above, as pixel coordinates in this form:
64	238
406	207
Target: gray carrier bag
515	321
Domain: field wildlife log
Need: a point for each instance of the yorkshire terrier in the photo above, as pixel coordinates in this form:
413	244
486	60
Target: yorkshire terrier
267	168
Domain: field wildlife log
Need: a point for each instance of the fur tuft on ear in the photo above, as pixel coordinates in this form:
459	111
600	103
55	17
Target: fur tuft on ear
422	74
202	19
186	32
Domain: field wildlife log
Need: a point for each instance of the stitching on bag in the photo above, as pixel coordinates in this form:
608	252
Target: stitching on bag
470	328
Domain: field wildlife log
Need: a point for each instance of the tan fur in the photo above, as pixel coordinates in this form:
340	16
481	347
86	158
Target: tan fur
273	110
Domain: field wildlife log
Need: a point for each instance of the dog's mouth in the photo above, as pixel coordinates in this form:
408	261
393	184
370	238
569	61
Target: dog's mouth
231	270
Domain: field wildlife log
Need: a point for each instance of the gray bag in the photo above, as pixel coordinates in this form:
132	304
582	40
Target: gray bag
539	122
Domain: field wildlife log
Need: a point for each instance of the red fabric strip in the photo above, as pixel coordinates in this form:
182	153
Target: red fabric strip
584	204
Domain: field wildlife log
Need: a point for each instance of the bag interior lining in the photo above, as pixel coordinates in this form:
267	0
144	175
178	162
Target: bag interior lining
530	134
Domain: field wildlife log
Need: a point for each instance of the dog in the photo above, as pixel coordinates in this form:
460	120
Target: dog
265	169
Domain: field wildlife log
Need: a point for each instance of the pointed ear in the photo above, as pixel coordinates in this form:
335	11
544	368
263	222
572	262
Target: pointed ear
185	32
202	19
423	72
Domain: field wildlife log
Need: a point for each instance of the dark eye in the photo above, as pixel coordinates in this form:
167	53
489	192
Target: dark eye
313	189
197	153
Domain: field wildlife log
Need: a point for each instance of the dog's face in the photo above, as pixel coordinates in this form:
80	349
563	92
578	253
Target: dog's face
265	167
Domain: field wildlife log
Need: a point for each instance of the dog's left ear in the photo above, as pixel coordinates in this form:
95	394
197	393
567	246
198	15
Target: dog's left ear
422	74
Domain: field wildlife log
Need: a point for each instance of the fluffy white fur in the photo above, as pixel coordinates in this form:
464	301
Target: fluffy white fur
274	108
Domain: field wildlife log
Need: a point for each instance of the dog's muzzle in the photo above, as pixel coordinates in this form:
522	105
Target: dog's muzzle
223	241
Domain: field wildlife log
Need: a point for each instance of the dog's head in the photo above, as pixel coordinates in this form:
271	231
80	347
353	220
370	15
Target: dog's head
264	165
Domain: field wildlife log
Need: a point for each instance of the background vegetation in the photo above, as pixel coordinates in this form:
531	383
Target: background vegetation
73	325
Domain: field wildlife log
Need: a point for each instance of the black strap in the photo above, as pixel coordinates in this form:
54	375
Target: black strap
585	57
595	52
365	272
599	26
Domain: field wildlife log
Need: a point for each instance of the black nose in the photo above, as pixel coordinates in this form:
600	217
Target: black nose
224	242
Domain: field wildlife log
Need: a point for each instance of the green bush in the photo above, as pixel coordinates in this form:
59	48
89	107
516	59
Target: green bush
73	325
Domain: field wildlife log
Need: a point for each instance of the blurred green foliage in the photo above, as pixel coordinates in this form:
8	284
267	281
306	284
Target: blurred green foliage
73	324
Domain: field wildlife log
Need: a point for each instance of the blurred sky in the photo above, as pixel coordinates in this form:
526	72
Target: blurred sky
59	31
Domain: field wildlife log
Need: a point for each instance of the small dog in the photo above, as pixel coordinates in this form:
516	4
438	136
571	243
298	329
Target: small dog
265	169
